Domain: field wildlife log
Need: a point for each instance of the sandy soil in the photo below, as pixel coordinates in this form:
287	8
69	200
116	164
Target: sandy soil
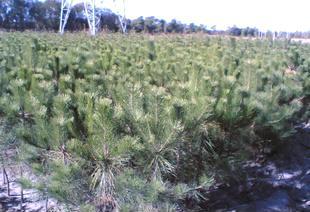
33	200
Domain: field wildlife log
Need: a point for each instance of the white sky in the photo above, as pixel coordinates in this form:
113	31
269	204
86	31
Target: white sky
280	15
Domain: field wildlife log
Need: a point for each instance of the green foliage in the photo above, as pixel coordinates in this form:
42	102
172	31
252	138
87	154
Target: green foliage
127	121
133	191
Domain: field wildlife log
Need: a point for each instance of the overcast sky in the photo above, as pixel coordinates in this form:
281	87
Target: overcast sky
284	15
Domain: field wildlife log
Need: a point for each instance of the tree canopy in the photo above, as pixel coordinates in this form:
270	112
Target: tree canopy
20	15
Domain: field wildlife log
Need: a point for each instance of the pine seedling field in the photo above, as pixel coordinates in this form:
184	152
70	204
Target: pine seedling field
139	122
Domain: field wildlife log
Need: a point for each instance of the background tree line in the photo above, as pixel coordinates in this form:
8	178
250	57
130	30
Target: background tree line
44	15
20	15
